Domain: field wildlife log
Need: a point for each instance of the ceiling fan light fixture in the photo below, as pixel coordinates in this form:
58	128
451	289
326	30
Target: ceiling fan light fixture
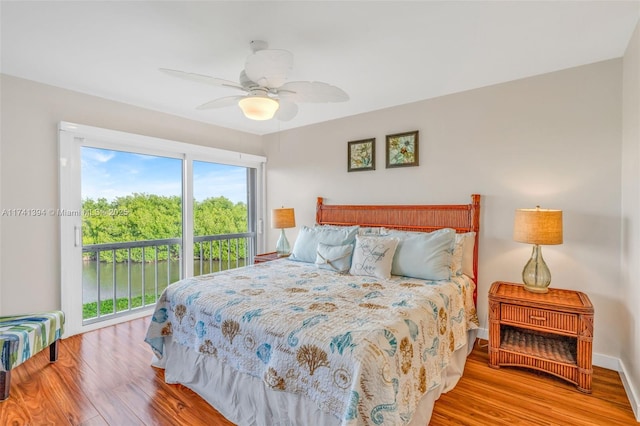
267	91
258	107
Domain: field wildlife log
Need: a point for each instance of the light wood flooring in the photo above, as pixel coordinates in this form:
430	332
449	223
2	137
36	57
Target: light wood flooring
104	377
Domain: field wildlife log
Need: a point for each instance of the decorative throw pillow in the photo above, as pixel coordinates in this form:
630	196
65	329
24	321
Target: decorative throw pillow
304	249
424	255
373	256
334	258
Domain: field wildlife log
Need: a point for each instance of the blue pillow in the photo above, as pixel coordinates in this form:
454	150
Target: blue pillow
334	258
306	245
424	255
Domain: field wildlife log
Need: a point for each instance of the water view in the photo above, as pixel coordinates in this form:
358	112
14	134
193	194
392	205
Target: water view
167	272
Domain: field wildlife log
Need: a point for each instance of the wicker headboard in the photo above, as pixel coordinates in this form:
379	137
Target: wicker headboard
425	218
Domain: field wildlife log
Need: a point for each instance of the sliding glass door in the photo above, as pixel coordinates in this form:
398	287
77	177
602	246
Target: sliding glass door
140	218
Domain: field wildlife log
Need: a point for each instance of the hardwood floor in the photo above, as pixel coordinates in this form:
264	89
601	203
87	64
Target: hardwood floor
98	380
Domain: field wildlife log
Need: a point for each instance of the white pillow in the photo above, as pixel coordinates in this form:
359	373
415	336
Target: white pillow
334	258
456	256
306	245
372	230
373	256
424	255
338	227
469	242
462	258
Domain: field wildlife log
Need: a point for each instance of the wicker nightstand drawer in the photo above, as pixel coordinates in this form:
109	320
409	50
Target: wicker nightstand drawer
560	322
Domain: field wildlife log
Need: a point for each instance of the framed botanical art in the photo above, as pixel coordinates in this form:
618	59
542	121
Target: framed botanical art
361	155
402	149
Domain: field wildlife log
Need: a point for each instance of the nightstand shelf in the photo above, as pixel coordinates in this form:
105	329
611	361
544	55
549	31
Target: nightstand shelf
266	257
540	345
550	332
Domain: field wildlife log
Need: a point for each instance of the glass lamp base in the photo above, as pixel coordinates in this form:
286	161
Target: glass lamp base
283	248
536	275
534	289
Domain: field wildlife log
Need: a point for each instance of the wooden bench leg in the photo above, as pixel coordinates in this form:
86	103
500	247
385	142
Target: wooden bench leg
53	351
5	376
5	382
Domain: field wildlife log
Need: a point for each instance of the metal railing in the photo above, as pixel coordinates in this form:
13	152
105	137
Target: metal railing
211	253
221	249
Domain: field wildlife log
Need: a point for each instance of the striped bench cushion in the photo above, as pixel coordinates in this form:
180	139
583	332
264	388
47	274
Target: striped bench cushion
25	335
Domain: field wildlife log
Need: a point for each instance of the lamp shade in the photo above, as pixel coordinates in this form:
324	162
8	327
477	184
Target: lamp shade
258	107
283	218
538	226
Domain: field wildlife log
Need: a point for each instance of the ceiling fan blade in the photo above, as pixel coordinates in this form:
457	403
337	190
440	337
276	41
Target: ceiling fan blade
221	102
287	110
269	67
312	91
201	78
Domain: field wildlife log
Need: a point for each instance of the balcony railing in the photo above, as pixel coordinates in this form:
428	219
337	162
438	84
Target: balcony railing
120	278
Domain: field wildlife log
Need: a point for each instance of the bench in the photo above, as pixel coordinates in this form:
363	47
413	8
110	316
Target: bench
23	336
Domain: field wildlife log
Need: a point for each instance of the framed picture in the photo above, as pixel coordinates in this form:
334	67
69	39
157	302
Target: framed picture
361	155
402	149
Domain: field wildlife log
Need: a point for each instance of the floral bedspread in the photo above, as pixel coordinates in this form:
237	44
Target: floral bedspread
363	349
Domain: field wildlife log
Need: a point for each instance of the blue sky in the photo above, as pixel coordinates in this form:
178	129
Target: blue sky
110	174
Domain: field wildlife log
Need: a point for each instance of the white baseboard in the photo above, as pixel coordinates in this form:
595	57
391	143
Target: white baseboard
606	361
632	393
610	363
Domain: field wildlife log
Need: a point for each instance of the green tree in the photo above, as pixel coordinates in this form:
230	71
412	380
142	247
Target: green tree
139	217
214	216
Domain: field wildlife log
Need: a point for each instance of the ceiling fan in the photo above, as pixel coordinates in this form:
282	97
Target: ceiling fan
264	81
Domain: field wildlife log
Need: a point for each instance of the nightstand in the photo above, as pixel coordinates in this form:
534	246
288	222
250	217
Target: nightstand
551	332
266	257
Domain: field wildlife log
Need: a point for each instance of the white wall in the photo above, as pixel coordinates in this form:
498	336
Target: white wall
552	140
630	327
30	112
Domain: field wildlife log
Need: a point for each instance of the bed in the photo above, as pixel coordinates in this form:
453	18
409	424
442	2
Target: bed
328	336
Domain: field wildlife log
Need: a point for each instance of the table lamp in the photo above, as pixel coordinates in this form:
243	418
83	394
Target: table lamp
281	219
538	227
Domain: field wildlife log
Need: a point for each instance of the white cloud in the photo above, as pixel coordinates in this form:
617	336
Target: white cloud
97	155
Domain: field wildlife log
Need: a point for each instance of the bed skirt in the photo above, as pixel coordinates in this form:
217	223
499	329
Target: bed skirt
247	401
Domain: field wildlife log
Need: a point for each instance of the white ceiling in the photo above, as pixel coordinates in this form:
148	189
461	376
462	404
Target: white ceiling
381	53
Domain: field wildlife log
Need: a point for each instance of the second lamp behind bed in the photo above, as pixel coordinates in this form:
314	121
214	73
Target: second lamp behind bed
281	219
